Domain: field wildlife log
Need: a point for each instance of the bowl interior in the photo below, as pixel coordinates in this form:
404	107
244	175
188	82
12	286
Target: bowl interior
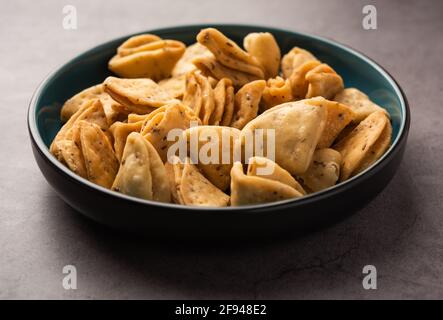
90	68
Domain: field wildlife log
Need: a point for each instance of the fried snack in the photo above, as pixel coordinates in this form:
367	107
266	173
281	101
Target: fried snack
210	67
323	81
339	116
185	65
246	103
69	151
365	144
142	173
265	49
358	102
120	131
111	107
216	145
191	188
140	96
259	166
199	96
295	59
277	91
160	122
377	149
100	161
323	171
91	111
299	84
297	127
308	76
224	103
228	53
146	56
228	60
248	189
175	86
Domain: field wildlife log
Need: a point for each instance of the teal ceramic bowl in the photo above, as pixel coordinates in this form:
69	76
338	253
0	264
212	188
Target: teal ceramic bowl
152	218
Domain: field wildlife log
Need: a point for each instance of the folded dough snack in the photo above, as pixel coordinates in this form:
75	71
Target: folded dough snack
185	65
91	111
264	48
160	122
324	170
323	81
246	103
358	102
146	56
224	103
339	116
297	128
216	144
120	131
295	59
137	95
365	144
100	161
111	107
190	187
250	189
228	60
275	172
69	152
228	53
277	91
199	96
299	84
142	173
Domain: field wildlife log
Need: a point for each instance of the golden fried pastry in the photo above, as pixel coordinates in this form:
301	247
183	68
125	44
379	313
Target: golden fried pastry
140	96
91	111
266	168
323	81
120	131
295	59
339	116
228	60
250	189
214	152
324	170
277	91
224	103
264	48
146	56
142	173
191	188
100	161
365	144
159	123
185	65
110	106
359	102
246	103
296	127
199	96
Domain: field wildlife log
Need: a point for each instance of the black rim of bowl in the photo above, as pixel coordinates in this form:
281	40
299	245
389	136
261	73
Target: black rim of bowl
326	193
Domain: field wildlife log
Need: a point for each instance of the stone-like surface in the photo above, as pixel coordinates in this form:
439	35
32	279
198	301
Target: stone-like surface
400	232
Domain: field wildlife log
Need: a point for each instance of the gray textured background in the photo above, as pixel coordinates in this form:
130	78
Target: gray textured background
400	232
